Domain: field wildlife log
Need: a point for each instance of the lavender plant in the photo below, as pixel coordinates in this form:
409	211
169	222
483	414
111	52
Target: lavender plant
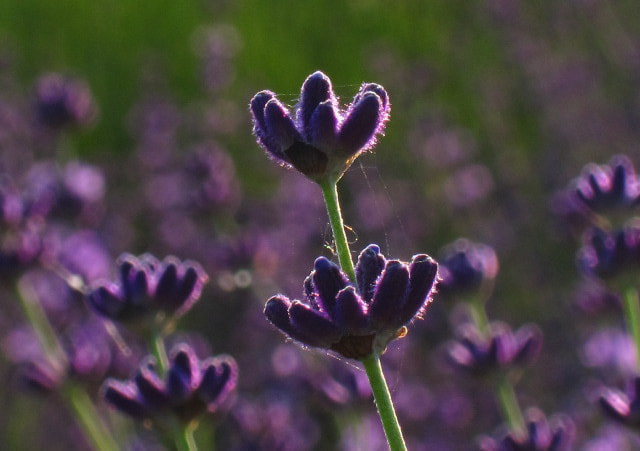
352	310
485	348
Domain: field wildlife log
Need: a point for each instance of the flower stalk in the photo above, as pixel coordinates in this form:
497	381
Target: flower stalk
88	417
632	317
372	365
330	193
384	403
78	400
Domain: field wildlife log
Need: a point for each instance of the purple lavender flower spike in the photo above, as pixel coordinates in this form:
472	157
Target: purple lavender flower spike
191	387
542	434
317	138
148	286
607	255
606	187
337	315
465	266
63	102
622	407
556	434
501	349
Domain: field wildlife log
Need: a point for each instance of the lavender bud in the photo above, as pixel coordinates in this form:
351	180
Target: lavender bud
390	294
320	142
316	90
148	286
465	266
338	316
361	125
191	387
368	268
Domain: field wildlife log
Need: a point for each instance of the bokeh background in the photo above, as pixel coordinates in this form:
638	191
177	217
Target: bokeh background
496	106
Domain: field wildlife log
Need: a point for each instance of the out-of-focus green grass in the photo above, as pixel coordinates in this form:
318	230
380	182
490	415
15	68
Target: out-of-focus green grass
110	42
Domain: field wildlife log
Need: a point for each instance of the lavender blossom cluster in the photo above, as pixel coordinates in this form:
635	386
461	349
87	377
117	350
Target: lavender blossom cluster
149	298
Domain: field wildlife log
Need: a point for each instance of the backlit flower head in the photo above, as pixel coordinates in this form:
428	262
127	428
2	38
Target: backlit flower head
356	320
502	348
147	286
610	254
64	102
541	434
189	388
318	138
603	187
465	266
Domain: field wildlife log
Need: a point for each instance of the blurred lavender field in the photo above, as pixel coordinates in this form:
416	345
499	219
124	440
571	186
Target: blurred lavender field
126	129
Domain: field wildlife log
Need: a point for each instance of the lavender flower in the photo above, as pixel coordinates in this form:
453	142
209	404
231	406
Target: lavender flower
465	266
356	320
601	188
503	348
63	102
607	255
541	435
622	407
148	286
190	388
318	139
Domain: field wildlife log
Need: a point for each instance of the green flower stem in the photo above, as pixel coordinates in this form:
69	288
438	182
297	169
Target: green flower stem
185	441
632	316
479	316
384	403
509	404
78	399
41	326
505	392
159	351
89	418
330	193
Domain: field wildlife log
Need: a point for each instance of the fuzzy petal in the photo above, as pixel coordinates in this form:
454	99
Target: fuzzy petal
390	295
316	329
328	280
280	126
422	275
316	89
361	124
322	129
351	312
369	267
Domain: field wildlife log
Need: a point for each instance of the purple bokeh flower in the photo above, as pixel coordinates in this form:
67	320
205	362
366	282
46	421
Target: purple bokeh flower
64	102
465	266
148	286
318	138
610	254
356	320
502	348
189	388
604	187
541	434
